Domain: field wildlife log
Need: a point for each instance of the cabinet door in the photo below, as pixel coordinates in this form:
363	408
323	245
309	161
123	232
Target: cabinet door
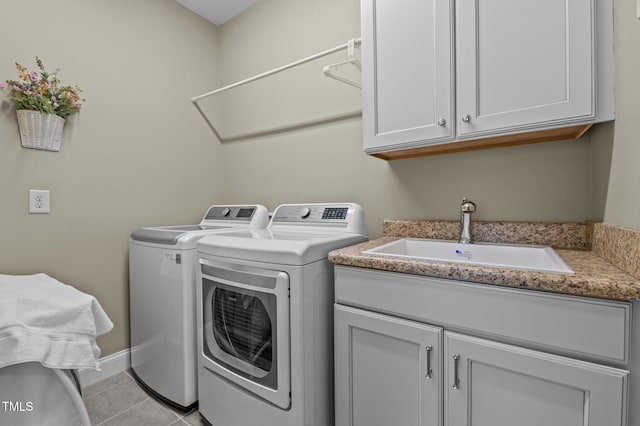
523	64
407	73
503	385
387	370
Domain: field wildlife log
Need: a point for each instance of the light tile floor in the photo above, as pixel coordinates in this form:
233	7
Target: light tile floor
120	401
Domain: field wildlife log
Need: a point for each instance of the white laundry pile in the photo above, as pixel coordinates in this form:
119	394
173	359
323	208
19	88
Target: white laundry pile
46	321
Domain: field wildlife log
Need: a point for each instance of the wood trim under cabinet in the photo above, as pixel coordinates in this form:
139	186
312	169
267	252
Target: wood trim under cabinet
560	134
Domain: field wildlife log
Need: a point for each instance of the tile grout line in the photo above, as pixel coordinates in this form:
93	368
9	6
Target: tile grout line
179	417
182	415
123	411
103	390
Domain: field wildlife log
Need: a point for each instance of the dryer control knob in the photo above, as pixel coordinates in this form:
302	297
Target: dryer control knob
305	212
226	211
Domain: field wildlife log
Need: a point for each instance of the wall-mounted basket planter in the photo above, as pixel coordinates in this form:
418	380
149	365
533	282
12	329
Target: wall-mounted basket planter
40	131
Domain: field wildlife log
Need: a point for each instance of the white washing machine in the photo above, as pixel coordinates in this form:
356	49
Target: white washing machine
162	300
265	317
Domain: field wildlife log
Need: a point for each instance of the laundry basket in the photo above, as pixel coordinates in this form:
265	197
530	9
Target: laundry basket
33	395
40	131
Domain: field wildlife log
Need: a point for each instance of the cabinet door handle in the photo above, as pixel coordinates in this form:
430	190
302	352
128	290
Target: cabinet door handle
466	118
456	380
442	122
429	371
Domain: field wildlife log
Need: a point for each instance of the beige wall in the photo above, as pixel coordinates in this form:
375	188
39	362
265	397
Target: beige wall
623	200
544	182
138	154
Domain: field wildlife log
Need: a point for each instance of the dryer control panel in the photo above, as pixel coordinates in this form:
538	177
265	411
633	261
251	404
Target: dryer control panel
311	213
315	213
340	217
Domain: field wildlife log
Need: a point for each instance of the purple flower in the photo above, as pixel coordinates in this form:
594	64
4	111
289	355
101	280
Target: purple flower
55	105
1	85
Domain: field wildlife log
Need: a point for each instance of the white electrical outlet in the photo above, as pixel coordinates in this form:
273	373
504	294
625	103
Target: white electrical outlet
38	201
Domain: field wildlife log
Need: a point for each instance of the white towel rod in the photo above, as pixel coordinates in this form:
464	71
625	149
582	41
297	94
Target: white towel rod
275	70
348	45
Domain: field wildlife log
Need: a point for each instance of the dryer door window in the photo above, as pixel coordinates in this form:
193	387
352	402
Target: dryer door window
243	332
242	326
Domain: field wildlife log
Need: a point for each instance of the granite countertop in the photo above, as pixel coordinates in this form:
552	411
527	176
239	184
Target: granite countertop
594	276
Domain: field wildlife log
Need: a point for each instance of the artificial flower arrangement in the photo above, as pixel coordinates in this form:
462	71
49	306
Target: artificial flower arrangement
42	91
42	105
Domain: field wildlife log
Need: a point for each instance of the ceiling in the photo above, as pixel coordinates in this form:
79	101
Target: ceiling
217	11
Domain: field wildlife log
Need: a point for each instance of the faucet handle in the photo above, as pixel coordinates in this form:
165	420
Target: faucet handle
467	206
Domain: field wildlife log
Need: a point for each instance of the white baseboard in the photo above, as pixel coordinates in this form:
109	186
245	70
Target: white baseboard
110	365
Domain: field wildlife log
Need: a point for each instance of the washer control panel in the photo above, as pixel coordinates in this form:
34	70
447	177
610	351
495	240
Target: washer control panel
230	213
316	213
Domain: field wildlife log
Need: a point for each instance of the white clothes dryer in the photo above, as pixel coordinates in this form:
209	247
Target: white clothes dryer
162	300
264	323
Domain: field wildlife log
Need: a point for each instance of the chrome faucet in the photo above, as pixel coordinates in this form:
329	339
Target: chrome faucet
466	209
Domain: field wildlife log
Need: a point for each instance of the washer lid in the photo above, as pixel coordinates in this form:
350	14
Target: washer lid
218	217
167	235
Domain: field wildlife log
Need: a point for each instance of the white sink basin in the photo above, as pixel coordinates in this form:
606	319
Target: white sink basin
531	258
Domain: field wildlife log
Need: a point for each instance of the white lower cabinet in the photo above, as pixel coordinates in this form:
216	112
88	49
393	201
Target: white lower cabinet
494	384
387	370
391	371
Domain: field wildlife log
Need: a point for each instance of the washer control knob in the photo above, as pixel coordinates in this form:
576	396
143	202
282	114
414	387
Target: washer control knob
306	211
226	211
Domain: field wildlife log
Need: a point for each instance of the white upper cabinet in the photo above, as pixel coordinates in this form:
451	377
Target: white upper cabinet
448	75
407	71
523	63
